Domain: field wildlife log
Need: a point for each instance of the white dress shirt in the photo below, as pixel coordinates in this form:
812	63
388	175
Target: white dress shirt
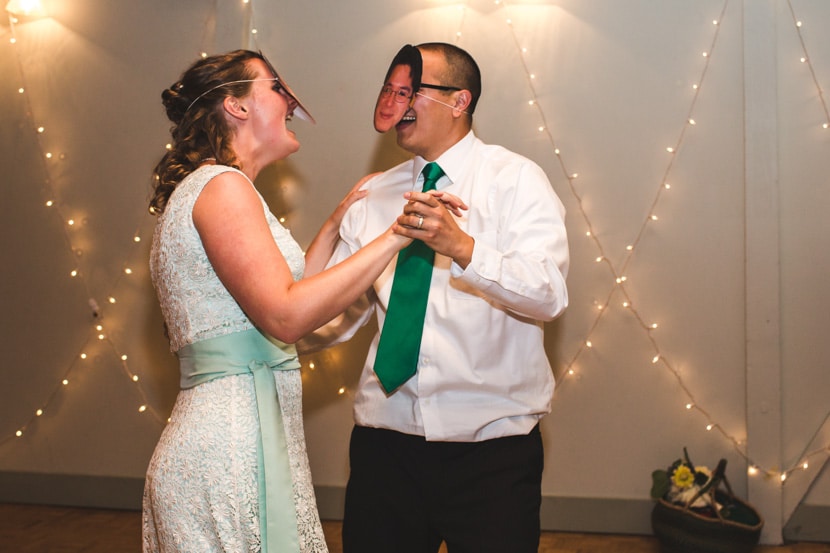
482	370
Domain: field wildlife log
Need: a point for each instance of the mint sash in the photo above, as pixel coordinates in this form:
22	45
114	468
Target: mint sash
251	352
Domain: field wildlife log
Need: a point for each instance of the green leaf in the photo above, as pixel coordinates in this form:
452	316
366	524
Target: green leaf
660	484
688	461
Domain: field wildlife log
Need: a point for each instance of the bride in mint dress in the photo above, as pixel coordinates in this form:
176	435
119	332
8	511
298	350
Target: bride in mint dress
230	472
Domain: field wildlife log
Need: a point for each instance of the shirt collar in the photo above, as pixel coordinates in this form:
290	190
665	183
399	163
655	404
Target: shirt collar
451	161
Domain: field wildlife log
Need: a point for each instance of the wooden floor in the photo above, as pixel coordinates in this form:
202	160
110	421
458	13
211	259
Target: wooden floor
40	529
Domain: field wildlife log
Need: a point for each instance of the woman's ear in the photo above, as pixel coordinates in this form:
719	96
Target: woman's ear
234	107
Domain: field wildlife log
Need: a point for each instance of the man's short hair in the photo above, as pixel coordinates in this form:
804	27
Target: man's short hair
462	69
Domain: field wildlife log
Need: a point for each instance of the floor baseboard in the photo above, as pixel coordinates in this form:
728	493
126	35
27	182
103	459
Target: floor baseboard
559	514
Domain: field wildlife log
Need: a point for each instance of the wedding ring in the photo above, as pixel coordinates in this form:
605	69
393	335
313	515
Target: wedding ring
420	221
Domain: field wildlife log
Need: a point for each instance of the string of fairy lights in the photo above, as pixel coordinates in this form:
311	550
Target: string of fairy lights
99	334
620	280
52	202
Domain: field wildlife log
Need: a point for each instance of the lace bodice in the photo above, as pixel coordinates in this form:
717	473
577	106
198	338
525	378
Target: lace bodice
195	304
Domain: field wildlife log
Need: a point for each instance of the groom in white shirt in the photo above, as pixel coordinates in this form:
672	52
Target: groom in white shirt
454	453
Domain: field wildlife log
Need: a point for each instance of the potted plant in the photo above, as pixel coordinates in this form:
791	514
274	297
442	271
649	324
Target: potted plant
693	514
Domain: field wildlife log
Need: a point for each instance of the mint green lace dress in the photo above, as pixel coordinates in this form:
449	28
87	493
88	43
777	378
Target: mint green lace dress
201	494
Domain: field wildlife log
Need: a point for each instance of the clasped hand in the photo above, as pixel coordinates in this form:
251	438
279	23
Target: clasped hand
430	217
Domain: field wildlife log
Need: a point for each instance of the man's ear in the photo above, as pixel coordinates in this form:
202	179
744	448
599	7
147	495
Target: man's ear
462	100
234	107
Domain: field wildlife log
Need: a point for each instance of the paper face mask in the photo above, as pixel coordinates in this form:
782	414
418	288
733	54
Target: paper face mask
403	79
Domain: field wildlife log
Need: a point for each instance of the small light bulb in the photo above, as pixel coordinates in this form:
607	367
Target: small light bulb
65	382
99	328
705	54
40	129
710	426
655	359
312	366
83	356
598	259
541	129
798	23
48	155
128	271
531	102
666	186
589	343
123	357
142	408
39	412
49	203
18	433
805	465
135	378
111	299
803	59
670	150
783	476
342	390
653	217
689	405
136	239
74	273
692	122
752	470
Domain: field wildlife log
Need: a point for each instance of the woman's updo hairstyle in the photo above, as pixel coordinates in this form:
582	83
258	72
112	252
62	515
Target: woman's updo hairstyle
199	130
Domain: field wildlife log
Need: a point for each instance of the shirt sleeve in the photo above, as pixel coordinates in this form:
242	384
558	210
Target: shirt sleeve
521	260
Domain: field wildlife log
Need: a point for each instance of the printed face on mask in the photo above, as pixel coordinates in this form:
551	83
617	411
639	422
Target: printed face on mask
394	99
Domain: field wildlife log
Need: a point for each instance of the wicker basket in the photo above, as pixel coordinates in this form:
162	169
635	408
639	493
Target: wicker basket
681	530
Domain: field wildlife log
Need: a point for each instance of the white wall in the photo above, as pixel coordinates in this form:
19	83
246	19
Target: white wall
613	81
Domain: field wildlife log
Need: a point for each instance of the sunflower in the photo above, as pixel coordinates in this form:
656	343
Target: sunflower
683	477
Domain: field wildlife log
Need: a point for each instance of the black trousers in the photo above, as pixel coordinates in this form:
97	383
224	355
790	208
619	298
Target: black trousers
407	495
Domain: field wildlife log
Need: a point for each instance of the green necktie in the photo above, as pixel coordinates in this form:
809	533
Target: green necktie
400	339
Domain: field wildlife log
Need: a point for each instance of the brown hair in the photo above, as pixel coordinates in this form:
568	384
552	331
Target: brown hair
199	129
